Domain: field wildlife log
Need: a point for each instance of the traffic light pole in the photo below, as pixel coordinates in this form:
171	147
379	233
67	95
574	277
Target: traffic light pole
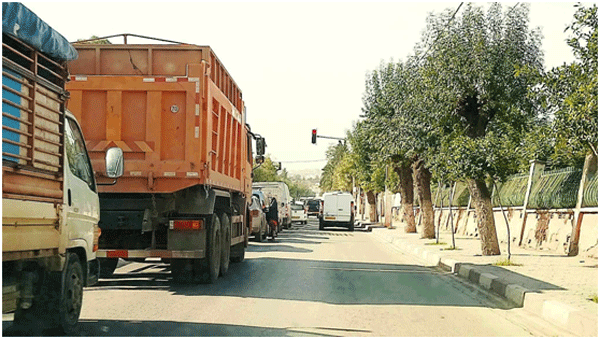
314	137
326	137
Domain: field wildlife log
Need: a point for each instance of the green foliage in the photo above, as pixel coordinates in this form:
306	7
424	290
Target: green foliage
336	173
483	108
267	172
570	94
476	103
95	41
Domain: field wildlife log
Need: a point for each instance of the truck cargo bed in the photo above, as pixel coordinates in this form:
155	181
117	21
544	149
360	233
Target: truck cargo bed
173	109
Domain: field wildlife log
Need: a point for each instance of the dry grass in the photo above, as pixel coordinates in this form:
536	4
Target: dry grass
435	243
506	262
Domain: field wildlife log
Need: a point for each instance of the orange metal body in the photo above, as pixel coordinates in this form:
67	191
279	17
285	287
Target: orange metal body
173	109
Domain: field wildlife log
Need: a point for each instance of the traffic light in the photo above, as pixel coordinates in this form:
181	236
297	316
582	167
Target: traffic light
314	136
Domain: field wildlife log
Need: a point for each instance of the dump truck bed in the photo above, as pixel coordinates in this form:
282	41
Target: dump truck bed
173	109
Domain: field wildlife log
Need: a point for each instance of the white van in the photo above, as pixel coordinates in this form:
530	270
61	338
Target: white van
281	192
338	210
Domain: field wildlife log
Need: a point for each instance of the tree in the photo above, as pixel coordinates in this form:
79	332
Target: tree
365	168
331	178
266	172
397	105
381	101
94	40
570	92
482	104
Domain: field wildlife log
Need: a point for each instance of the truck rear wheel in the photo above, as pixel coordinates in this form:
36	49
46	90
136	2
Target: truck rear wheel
58	305
213	251
225	243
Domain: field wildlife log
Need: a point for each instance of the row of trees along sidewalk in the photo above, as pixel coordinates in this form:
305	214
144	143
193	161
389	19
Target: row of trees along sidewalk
473	104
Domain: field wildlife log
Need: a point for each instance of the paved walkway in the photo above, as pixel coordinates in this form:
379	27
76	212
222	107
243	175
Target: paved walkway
553	286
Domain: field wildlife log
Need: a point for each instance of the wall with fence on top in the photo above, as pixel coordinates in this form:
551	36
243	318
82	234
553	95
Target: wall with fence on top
541	207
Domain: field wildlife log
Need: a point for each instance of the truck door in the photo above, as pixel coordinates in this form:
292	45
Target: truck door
81	198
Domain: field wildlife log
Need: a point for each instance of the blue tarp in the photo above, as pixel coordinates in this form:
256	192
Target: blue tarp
21	22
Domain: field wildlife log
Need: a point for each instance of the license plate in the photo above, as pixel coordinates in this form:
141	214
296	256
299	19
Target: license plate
295	217
329	218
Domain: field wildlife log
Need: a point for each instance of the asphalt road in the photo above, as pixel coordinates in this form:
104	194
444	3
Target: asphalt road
305	283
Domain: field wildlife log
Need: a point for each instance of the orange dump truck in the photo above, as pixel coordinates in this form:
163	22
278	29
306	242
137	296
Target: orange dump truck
180	119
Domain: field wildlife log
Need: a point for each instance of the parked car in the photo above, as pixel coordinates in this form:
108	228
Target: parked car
264	202
258	219
299	213
281	193
313	207
338	210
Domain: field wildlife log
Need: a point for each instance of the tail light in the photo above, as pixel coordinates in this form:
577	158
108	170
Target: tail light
97	233
186	225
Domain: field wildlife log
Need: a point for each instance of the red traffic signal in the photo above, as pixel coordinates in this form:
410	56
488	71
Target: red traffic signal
314	136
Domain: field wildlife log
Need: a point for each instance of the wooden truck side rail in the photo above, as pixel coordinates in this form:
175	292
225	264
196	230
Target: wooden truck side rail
33	123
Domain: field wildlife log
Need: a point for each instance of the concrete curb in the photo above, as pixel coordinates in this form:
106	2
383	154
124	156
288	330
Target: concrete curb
555	312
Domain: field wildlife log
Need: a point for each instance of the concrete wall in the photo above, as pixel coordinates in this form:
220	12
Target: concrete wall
545	230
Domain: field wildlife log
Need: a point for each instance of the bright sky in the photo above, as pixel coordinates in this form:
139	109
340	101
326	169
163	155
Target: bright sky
300	65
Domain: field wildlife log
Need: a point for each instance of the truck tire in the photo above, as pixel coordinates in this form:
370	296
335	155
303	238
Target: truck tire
72	295
108	267
212	262
225	243
58	305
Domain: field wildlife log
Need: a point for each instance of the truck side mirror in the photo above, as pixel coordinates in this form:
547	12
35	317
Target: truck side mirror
114	162
260	146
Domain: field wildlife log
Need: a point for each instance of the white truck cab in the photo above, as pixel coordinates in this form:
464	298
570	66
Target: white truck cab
338	210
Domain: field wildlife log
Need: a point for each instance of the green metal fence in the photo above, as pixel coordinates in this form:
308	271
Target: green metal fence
590	192
511	192
556	189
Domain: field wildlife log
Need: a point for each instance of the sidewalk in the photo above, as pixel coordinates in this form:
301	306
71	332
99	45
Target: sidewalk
552	286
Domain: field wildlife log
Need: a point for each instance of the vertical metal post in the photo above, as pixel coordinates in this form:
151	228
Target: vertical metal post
451	197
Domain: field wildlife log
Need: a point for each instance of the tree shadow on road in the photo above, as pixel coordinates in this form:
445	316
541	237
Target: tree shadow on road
129	328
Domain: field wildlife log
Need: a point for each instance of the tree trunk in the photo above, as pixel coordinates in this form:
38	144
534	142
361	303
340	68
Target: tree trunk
407	194
422	177
372	206
482	201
